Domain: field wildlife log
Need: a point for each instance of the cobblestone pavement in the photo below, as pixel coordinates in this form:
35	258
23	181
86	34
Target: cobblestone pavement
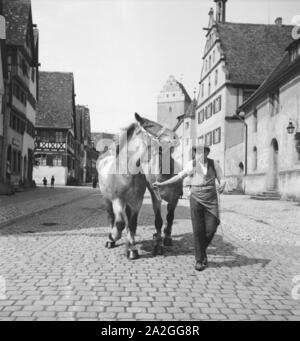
35	200
54	266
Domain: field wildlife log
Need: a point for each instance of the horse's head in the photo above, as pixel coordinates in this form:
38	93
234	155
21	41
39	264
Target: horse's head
164	137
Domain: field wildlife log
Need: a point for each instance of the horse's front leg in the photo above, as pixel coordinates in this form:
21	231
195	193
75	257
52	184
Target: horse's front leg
117	219
170	218
158	247
131	250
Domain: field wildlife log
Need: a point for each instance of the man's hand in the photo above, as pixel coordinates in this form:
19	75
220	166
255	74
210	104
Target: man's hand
156	185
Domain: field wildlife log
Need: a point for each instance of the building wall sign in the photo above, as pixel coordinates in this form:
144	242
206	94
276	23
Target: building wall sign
50	146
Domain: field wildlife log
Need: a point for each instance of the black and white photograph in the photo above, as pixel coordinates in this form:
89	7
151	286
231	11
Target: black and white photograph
149	163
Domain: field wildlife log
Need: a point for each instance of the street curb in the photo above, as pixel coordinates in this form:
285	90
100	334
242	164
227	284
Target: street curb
43	210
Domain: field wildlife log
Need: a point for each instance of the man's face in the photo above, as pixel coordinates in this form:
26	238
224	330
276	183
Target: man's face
200	154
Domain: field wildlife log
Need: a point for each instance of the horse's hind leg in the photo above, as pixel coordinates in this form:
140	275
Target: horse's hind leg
117	217
131	250
158	248
170	218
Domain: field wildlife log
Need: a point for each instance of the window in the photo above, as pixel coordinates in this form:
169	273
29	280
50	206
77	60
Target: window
200	140
201	116
19	94
209	86
24	68
170	109
187	125
202	90
217	104
17	124
274	103
57	161
208	139
254	158
255	121
209	62
214	56
59	136
217	136
209	111
216	77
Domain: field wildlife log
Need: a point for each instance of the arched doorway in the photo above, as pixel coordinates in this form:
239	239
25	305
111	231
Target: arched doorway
273	166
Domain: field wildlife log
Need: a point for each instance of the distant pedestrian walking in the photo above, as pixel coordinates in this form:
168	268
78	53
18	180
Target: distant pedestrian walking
52	181
94	180
45	182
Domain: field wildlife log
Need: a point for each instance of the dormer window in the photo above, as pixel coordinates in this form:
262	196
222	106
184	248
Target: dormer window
295	52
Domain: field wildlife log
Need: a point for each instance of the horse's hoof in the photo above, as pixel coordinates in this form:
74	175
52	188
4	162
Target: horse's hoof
168	241
132	254
158	250
110	244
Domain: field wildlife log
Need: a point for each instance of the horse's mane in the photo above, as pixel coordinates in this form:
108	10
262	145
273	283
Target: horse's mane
125	137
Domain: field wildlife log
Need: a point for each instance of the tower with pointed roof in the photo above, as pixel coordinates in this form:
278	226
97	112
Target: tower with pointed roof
172	102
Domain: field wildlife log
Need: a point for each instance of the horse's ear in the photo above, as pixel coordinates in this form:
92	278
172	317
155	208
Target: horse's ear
138	118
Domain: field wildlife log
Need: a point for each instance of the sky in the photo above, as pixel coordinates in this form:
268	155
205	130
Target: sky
122	51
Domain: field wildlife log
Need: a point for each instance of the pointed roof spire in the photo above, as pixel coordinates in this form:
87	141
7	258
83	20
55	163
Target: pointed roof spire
211	21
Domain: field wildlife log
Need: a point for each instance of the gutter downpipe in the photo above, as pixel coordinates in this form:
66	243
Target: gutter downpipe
246	143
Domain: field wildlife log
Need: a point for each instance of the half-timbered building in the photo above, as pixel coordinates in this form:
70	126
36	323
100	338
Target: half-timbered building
55	147
22	58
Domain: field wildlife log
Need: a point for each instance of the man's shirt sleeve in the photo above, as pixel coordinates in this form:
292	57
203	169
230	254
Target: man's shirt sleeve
187	170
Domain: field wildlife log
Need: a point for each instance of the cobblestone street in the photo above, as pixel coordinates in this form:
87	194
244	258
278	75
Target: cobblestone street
54	266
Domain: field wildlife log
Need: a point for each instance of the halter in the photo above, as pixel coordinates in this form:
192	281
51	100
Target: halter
155	137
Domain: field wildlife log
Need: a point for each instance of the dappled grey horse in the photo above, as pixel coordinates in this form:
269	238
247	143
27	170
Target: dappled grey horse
123	182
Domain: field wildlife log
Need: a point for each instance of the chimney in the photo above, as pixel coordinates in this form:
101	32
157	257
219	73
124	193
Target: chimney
278	21
221	11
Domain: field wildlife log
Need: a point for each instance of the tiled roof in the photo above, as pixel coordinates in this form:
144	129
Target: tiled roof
187	97
252	51
191	110
16	13
180	121
284	71
55	107
173	85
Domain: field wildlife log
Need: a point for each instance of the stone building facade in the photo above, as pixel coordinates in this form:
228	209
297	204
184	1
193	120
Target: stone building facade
172	102
234	65
22	91
55	142
186	131
90	155
272	116
3	115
